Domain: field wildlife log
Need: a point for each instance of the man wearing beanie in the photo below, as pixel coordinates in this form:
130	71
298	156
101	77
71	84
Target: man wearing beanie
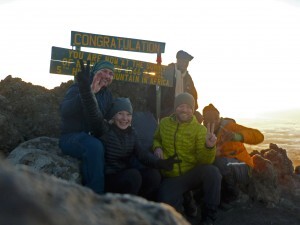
75	139
181	135
232	158
182	82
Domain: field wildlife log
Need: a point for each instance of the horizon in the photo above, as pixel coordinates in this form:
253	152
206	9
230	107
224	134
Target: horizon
246	53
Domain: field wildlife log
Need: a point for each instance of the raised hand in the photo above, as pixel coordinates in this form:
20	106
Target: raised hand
83	76
211	138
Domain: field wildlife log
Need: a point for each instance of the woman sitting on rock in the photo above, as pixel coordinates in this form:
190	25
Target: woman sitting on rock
121	145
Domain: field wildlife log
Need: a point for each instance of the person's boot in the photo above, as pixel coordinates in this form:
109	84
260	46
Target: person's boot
208	215
189	204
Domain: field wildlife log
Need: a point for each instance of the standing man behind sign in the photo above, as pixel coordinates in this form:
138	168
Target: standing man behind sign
182	82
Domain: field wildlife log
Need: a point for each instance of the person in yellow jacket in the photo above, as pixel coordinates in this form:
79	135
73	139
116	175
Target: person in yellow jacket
181	135
232	158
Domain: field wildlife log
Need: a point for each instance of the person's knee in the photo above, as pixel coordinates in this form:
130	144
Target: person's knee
213	174
95	149
221	163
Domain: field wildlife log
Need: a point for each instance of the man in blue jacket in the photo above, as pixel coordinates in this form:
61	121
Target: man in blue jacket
76	137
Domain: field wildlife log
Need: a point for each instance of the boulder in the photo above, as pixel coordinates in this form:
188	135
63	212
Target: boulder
43	155
37	198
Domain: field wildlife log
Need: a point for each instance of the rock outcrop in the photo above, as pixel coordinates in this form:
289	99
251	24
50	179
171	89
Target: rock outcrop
44	185
28	111
272	185
271	179
42	154
29	197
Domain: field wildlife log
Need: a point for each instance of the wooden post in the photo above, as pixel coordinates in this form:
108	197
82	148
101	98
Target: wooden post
158	91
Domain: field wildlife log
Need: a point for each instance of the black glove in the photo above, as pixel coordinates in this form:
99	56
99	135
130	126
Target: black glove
167	164
83	77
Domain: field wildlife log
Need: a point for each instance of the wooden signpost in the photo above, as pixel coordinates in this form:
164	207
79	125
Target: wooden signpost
66	61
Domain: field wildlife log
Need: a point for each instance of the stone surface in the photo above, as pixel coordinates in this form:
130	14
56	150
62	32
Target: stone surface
37	198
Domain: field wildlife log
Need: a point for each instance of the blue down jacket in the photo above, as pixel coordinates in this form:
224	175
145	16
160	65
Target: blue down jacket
73	113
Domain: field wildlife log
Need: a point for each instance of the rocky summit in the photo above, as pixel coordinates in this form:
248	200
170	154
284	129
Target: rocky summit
43	186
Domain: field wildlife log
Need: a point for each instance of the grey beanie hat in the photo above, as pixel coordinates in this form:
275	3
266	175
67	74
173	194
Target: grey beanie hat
102	65
120	104
184	98
99	66
184	55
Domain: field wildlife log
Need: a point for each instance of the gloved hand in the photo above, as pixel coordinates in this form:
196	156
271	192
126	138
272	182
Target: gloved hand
94	115
167	164
83	77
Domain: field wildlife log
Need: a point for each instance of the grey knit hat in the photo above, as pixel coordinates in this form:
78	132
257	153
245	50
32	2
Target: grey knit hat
184	98
184	55
99	66
102	65
120	104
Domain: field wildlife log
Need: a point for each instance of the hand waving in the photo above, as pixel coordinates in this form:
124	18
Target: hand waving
83	75
211	138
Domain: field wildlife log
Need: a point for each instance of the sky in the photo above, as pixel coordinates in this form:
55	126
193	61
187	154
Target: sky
246	52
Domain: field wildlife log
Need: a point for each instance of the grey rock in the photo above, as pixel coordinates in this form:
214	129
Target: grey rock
43	155
37	198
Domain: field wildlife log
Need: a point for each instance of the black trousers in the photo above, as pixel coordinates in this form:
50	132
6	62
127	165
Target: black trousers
143	182
204	177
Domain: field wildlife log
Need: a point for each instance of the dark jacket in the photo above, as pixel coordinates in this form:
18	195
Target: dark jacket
72	113
168	94
120	148
120	145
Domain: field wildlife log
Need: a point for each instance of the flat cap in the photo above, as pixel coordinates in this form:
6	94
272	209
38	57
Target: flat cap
184	55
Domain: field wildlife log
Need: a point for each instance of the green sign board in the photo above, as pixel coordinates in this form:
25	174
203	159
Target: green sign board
80	39
66	61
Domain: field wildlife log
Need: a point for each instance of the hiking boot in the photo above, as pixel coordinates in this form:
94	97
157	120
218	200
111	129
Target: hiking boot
226	206
191	209
189	204
208	216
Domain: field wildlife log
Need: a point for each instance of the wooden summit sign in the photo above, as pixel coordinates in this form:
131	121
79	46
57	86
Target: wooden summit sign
115	43
66	61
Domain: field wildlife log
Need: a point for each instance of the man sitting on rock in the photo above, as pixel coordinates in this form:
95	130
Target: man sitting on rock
180	134
232	158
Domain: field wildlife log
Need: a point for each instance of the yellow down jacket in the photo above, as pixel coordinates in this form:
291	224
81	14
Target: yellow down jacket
186	140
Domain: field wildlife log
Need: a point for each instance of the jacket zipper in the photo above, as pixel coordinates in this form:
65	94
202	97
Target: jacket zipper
175	151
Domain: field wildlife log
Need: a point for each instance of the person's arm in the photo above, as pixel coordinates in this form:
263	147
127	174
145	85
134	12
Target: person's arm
149	159
88	99
71	104
245	134
190	88
157	139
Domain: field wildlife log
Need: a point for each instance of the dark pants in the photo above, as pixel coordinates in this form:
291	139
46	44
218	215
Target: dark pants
204	177
234	172
143	182
90	151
